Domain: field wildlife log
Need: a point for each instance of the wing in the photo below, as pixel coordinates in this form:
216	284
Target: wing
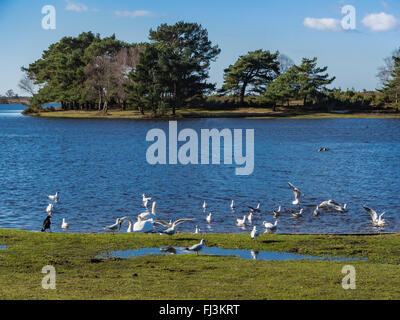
163	223
371	212
291	186
181	221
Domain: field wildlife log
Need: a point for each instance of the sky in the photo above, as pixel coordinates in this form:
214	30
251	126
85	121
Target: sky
310	28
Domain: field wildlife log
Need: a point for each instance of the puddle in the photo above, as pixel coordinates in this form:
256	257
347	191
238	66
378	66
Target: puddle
3	247
215	251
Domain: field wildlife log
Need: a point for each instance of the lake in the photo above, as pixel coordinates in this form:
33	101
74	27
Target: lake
100	169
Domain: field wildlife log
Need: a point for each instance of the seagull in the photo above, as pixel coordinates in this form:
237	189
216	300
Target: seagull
323	149
316	211
332	205
209	218
149	216
297	194
205	206
46	224
145	200
197	247
241	222
377	221
254	254
64	225
171	228
197	230
54	198
115	227
298	214
49	209
270	228
256	209
250	218
277	213
233	205
254	233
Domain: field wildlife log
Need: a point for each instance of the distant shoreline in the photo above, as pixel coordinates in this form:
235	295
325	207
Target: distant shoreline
245	113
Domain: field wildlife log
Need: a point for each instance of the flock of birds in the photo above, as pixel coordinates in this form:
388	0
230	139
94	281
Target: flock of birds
147	220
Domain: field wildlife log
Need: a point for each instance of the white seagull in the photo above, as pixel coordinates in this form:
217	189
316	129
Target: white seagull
241	222
250	218
277	213
298	214
64	225
332	205
49	208
256	209
171	228
146	200
269	227
377	221
209	218
115	227
254	233
205	206
54	198
197	230
297	194
233	205
197	247
149	216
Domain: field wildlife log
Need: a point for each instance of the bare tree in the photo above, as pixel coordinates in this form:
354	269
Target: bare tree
27	85
285	63
385	71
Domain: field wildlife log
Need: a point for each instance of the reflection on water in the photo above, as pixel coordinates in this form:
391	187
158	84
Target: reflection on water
215	251
100	168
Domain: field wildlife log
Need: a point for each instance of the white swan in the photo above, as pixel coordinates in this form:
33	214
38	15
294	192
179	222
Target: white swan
197	247
241	222
54	198
64	225
377	221
269	227
171	228
209	217
149	216
254	233
297	194
115	227
141	226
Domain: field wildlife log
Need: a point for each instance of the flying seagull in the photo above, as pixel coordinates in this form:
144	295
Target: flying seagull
171	226
377	221
297	194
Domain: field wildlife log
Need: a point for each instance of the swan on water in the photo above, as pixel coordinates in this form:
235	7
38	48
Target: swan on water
269	227
115	227
297	194
241	222
171	228
64	225
149	216
55	197
377	221
208	219
254	233
141	226
197	247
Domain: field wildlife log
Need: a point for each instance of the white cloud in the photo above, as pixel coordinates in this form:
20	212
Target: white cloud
134	14
78	7
380	21
323	24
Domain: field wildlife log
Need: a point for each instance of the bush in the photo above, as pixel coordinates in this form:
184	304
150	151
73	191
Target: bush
32	109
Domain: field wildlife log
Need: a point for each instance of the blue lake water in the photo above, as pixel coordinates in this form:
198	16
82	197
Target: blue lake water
100	168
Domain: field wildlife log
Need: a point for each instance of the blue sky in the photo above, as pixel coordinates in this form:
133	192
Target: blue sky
296	28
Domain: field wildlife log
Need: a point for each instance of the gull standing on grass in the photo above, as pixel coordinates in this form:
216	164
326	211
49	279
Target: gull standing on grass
115	227
254	233
197	247
377	221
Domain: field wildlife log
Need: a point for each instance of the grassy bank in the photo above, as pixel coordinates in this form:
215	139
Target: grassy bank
202	113
82	276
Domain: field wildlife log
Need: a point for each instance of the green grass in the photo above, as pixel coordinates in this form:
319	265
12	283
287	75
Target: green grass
265	113
81	276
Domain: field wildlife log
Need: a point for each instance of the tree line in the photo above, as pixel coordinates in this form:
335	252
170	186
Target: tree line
171	71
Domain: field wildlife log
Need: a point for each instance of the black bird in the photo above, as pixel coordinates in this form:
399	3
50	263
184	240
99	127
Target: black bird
46	224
